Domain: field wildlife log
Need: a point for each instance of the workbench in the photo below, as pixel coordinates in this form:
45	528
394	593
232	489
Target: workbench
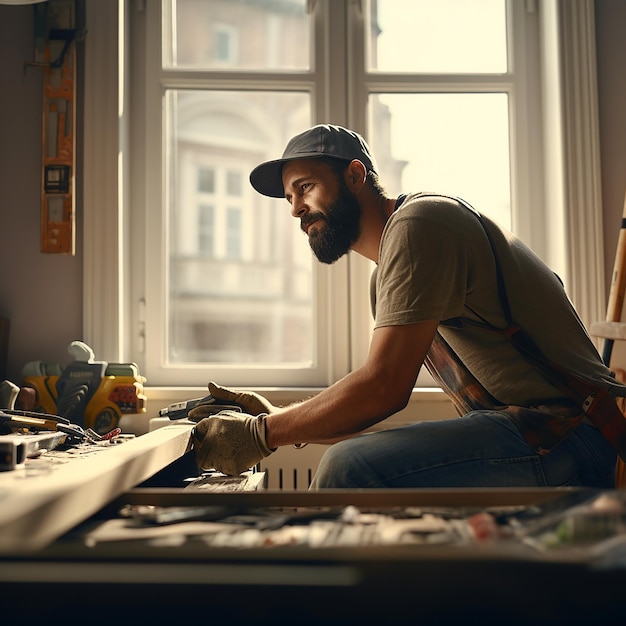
59	554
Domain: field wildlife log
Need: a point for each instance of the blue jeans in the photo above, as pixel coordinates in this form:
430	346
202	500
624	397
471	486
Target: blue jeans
480	449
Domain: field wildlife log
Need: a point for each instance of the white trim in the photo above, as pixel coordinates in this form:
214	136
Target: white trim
526	170
552	133
102	328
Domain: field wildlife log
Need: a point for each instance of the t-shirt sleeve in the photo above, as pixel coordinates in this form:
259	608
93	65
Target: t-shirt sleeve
422	272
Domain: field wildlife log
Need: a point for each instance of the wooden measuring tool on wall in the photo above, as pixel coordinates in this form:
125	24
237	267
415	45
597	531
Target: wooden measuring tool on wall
55	52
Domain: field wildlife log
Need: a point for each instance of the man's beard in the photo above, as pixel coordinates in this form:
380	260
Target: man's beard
342	227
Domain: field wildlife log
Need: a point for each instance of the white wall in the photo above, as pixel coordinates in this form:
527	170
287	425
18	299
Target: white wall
41	294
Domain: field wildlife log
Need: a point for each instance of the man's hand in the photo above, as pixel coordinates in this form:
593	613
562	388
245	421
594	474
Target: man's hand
251	403
230	442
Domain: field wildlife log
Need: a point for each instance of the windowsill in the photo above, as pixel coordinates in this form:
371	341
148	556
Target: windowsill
276	395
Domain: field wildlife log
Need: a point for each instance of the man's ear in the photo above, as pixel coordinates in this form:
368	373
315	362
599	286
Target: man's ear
355	175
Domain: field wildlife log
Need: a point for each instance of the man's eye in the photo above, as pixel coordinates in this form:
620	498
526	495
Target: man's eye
305	186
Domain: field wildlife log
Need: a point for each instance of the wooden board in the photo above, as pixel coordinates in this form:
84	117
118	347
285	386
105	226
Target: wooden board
51	495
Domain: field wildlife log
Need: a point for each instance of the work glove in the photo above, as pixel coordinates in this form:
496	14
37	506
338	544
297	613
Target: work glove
251	403
230	442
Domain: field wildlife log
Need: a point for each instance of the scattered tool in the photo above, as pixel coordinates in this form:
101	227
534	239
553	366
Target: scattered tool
14	419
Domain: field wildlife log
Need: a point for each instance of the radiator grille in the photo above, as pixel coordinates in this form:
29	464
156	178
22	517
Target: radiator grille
292	469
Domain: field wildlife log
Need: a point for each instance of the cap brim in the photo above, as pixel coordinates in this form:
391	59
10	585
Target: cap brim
267	178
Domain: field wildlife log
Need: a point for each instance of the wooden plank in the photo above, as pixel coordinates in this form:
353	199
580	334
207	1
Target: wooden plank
378	498
48	497
613	330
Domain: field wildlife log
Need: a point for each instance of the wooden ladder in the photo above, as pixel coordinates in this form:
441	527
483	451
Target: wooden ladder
613	329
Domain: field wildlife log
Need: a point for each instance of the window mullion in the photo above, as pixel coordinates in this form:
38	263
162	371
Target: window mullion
330	105
360	269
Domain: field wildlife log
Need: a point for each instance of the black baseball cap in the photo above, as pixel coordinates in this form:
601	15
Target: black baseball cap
323	140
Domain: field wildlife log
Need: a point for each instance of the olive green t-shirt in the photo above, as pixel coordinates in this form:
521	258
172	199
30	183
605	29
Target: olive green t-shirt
436	262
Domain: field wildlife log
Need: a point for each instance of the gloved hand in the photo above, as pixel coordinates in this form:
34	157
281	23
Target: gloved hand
230	442
251	403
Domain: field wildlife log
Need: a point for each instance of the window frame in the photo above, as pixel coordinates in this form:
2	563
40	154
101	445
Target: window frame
113	314
331	348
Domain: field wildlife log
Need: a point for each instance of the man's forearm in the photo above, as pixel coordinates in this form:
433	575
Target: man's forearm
350	406
381	387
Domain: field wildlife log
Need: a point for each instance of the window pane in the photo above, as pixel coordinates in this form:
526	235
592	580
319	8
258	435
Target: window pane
206	180
233	233
238	34
240	276
234	183
442	37
455	144
206	234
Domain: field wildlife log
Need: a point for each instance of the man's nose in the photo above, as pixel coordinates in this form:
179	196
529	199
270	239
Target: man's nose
298	207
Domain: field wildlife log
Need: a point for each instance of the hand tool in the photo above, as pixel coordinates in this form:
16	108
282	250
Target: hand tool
179	410
42	421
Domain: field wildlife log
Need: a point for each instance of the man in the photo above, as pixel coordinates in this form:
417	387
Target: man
448	286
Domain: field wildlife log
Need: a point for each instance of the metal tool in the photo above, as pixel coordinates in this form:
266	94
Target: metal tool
43	421
179	410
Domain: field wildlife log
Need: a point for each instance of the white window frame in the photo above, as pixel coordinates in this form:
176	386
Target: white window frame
569	158
331	332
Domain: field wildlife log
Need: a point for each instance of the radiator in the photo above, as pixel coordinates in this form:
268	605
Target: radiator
292	469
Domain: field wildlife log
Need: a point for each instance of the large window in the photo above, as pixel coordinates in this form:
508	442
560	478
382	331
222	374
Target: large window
216	281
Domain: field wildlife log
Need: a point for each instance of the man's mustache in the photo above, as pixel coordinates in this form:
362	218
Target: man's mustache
309	218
